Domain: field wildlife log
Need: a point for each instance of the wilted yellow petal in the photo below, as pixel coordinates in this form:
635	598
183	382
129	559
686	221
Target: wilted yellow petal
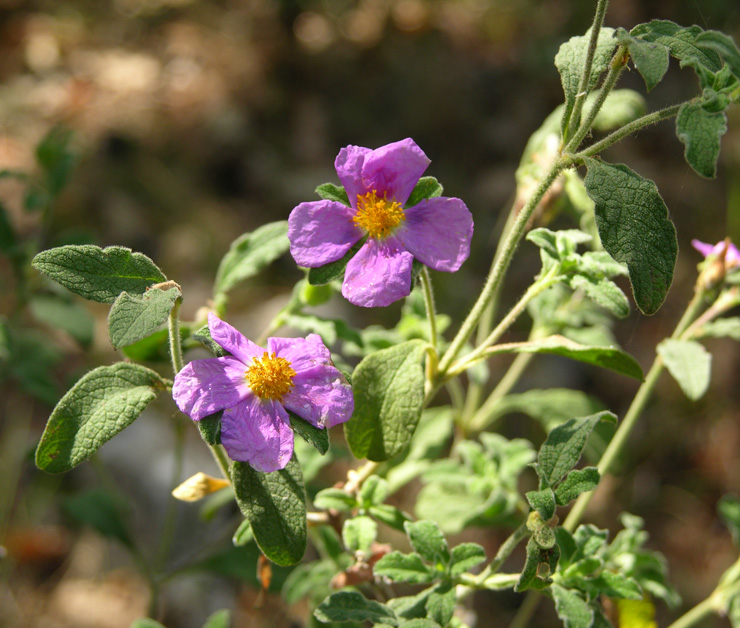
636	614
198	487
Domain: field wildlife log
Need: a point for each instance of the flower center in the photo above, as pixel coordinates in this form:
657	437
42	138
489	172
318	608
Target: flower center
270	377
378	216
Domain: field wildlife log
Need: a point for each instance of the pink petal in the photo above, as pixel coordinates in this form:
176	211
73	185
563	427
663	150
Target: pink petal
321	232
379	274
258	432
437	232
349	168
321	396
207	386
703	248
394	169
302	353
232	340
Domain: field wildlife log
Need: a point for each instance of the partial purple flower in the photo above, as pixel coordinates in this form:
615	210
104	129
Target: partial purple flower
436	231
722	248
254	387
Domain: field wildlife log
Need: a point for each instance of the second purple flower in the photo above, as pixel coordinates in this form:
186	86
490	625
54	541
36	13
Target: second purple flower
436	231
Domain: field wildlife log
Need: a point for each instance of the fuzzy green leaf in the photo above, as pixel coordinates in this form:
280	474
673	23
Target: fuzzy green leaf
219	619
133	317
334	499
441	604
403	568
604	292
275	505
426	187
570	61
720	328
634	228
701	131
331	192
724	46
318	438
99	406
388	386
68	315
575	483
98	274
465	556
650	58
374	491
543	502
681	42
389	515
427	539
359	533
689	363
621	107
243	534
353	606
250	253
571	608
564	445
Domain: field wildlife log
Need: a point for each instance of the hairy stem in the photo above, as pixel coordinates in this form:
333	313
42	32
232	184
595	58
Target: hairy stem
173	326
222	460
426	284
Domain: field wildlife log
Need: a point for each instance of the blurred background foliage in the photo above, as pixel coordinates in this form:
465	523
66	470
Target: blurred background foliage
173	126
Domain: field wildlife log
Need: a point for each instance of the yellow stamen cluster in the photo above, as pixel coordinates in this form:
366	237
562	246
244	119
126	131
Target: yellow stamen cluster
378	216
270	377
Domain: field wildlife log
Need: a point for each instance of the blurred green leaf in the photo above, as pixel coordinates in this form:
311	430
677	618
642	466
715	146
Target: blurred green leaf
359	533
729	510
389	515
99	406
102	511
243	534
146	622
98	274
334	499
404	568
571	608
56	159
689	363
543	502
465	556
7	232
250	253
621	107
275	505
720	328
427	539
353	606
440	605
373	491
69	316
219	619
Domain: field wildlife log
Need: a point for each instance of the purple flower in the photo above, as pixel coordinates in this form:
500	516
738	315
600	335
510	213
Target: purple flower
723	247
254	387
436	231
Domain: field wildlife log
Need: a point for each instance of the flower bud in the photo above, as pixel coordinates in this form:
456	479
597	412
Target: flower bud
197	487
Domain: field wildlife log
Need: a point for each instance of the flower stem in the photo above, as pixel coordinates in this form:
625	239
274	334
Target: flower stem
355	477
426	284
500	266
575	114
628	129
173	326
633	413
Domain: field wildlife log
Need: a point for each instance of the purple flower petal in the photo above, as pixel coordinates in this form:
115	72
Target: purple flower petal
703	248
302	353
394	169
321	396
348	165
258	432
207	386
321	232
437	232
379	274
732	255
233	341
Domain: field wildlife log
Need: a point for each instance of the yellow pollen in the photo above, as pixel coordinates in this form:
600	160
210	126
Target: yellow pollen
378	216
270	377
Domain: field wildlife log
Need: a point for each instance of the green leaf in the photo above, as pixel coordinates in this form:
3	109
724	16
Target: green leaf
210	428
56	159
604	292
389	515
330	329
7	232
426	187
575	483
98	274
133	317
621	107
275	504
219	619
69	316
250	253
729	510
536	556
571	608
564	445
570	61
441	604
374	491
243	534
680	41
99	406
701	131
724	46
334	499
352	606
403	568
465	556
617	585
689	363
650	58
333	270
720	328
606	357
388	386
418	622
100	510
427	539
543	502
634	228
318	438
359	533
331	192
146	622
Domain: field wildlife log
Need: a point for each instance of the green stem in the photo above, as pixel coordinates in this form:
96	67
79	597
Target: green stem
507	547
628	129
614	449
500	266
426	284
698	613
575	114
526	610
618	64
173	326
